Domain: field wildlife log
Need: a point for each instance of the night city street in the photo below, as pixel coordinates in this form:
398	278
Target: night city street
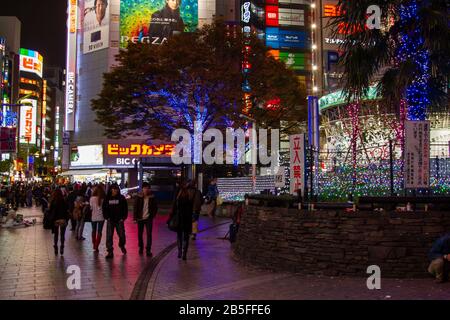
223	159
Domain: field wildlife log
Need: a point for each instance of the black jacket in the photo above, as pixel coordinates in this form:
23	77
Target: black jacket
115	208
139	206
164	22
58	210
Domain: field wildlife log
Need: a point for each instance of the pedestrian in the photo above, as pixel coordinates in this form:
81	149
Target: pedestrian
98	220
183	208
71	203
212	195
59	216
144	210
115	211
440	259
78	214
88	193
29	197
196	207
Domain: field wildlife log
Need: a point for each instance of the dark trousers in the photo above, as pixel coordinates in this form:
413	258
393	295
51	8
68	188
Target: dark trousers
59	231
97	227
182	241
148	225
73	223
120	229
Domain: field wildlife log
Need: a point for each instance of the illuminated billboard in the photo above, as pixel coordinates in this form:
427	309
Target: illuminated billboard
285	39
154	21
293	60
95	25
127	153
91	155
28	117
276	16
31	61
71	64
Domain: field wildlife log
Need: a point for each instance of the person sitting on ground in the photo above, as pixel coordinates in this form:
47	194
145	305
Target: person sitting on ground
440	258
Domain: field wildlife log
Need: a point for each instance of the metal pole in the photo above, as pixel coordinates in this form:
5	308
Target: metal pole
311	172
391	166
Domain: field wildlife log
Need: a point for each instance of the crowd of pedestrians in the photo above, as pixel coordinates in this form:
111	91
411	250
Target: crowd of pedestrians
73	205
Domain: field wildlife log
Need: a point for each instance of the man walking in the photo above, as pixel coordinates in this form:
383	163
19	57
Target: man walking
115	211
145	209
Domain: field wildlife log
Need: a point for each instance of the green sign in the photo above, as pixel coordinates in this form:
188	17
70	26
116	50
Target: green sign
294	60
337	98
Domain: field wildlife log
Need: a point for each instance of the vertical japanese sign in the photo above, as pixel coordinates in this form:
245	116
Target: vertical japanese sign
417	154
71	64
28	117
297	163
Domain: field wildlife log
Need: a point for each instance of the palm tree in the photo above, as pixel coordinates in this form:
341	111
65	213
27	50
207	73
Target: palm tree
408	56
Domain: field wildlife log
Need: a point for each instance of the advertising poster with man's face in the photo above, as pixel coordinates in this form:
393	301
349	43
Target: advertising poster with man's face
95	25
154	21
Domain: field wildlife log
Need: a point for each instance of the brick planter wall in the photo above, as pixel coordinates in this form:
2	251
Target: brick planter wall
338	243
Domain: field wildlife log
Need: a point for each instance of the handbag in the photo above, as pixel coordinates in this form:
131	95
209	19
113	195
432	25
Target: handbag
174	221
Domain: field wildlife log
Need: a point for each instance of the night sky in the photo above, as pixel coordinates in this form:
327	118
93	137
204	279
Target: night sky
43	26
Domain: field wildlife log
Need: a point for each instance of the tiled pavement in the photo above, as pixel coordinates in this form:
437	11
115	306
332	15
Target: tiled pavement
30	270
211	272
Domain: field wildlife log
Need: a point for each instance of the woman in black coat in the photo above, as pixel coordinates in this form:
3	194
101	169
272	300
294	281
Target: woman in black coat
183	207
59	214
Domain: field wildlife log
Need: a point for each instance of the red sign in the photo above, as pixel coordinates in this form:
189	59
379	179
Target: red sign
272	16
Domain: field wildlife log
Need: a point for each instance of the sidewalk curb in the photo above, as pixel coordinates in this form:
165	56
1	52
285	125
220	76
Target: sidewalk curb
140	288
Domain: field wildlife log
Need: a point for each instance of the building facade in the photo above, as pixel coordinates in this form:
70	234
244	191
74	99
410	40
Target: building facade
95	36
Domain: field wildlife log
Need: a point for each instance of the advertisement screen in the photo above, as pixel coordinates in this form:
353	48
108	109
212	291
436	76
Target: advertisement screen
28	112
271	15
95	25
154	21
285	39
91	155
304	2
291	17
31	61
294	60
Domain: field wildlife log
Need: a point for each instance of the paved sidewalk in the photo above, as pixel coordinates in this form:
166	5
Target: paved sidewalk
211	272
30	270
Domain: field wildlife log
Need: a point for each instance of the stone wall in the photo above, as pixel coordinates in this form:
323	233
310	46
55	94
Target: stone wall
338	243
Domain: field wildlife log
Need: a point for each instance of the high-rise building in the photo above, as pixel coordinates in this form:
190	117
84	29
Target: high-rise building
10	28
31	121
52	128
97	30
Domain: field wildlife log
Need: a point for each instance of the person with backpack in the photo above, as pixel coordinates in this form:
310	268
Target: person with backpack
115	211
145	209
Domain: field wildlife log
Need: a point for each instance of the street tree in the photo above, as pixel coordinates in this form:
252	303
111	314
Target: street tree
155	89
